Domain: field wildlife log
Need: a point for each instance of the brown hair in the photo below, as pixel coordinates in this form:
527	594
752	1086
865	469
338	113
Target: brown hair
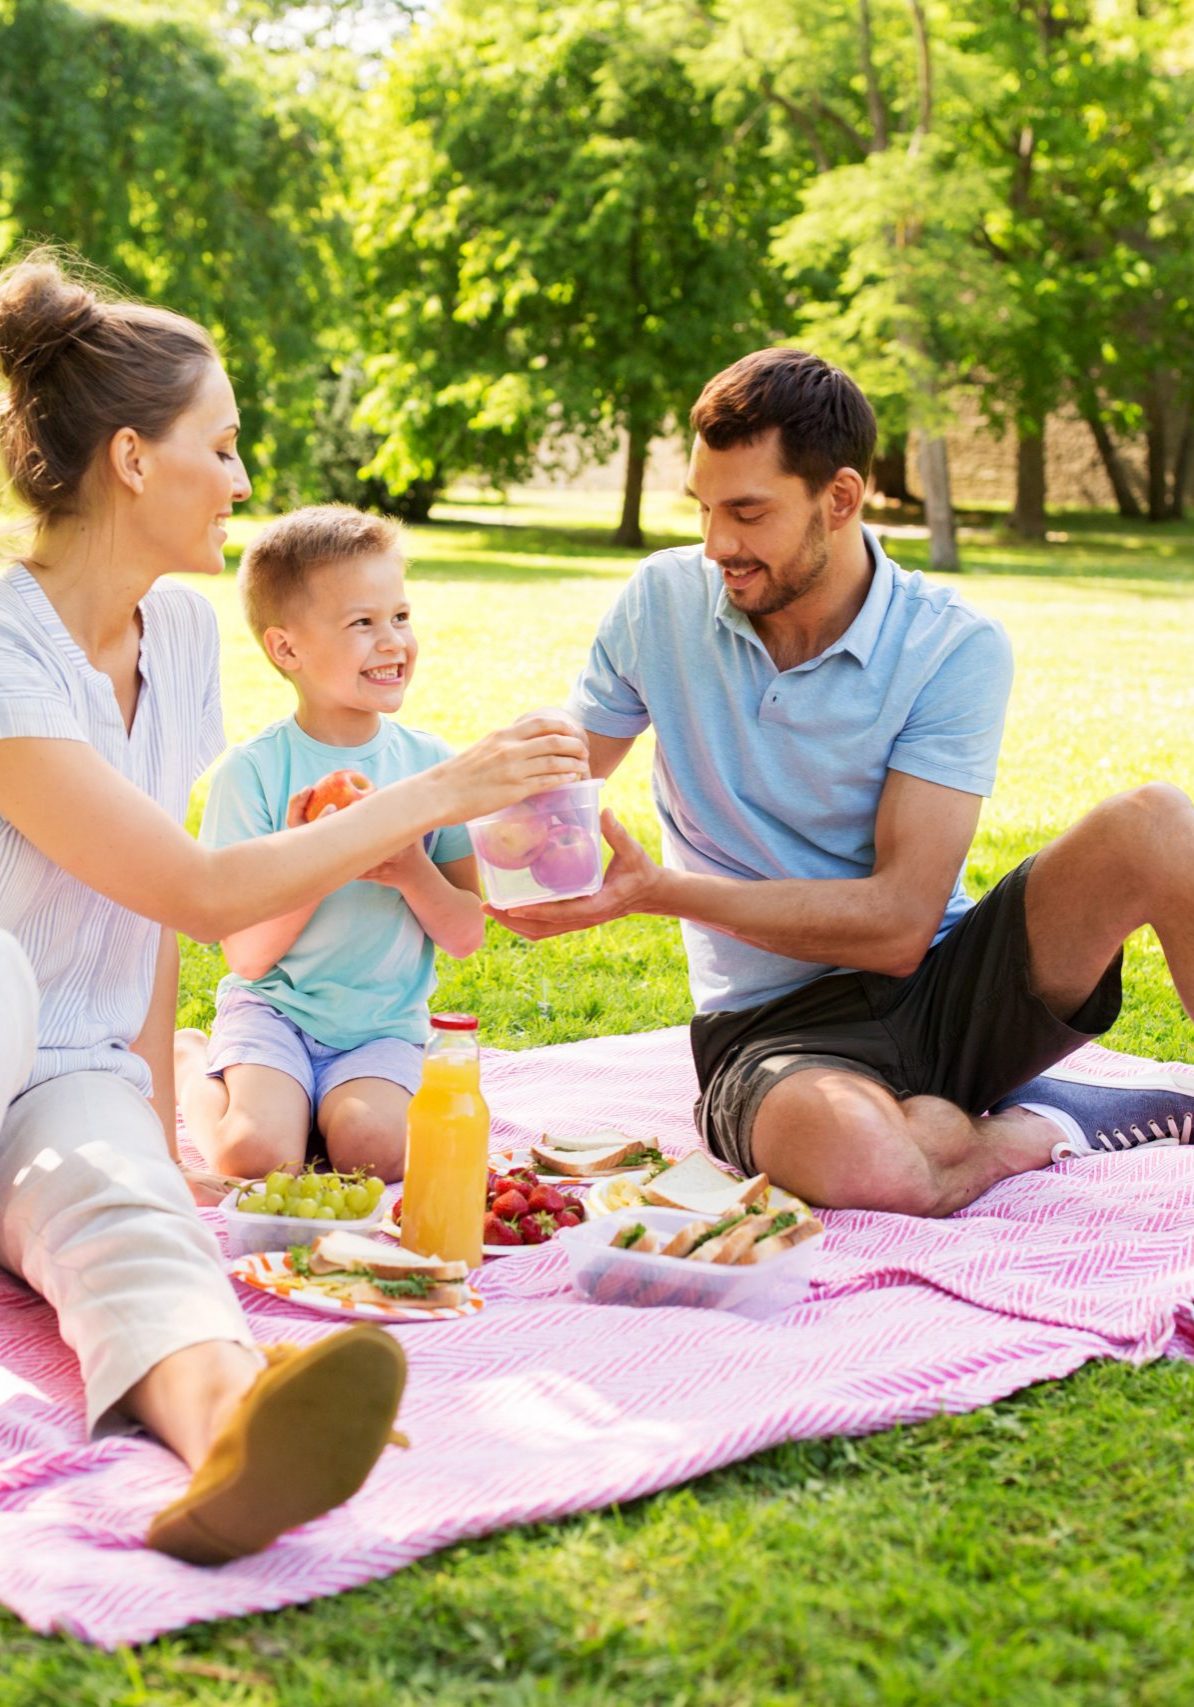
78	366
276	567
825	423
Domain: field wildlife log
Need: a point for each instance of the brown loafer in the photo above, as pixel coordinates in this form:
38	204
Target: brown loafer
302	1440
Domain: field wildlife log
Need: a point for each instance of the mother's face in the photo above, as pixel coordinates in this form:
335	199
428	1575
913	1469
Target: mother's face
192	478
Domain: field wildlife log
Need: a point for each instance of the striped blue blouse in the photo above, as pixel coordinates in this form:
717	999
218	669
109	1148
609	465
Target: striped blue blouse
95	960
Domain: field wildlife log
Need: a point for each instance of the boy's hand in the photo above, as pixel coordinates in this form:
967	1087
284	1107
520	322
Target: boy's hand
296	808
399	868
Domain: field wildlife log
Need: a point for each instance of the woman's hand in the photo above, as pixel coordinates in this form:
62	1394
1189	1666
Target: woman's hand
541	751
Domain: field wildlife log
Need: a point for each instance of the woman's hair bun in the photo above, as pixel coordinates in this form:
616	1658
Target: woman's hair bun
42	310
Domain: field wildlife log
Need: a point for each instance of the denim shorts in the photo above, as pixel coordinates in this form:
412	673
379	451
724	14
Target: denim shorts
249	1032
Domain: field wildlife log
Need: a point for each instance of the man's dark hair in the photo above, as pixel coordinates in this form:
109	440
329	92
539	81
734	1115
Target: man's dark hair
825	423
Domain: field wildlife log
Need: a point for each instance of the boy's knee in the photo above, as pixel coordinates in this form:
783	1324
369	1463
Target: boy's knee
251	1148
360	1137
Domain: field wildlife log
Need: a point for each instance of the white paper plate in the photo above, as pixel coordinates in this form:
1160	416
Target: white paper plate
270	1271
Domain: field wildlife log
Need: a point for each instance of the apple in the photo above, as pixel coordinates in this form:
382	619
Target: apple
570	859
513	840
338	789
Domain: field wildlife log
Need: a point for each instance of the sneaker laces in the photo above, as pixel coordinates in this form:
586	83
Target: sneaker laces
1170	1133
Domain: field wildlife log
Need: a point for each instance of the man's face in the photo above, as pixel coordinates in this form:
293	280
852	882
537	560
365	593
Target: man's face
760	525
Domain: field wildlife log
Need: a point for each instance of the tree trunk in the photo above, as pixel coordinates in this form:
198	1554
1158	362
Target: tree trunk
1158	471
1125	499
939	509
1028	516
630	529
1183	458
890	472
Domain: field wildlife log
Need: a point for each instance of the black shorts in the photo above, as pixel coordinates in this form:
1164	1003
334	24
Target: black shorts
965	1026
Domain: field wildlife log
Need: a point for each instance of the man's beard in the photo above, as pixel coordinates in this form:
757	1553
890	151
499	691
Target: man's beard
795	578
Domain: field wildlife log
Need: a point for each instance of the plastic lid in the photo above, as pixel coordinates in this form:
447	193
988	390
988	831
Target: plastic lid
454	1022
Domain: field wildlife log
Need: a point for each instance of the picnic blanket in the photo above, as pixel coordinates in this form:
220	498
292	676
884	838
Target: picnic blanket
541	1405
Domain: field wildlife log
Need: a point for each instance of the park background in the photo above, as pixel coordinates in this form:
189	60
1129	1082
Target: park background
471	263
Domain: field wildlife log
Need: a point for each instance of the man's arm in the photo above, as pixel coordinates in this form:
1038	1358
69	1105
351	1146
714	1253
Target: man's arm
155	1042
881	923
606	752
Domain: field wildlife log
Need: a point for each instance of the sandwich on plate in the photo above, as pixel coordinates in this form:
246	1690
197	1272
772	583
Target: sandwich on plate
698	1185
361	1270
600	1153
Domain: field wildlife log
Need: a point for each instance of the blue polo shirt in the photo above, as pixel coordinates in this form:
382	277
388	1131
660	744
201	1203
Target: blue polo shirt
767	773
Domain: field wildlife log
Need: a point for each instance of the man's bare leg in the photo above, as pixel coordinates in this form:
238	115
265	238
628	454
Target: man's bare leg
842	1141
1129	862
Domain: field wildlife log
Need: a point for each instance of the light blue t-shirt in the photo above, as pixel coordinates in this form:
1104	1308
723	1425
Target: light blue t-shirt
363	966
763	773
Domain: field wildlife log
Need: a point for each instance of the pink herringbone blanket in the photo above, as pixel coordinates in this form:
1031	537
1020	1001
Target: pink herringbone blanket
542	1405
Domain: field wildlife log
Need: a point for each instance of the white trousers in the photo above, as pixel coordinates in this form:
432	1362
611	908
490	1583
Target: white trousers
95	1216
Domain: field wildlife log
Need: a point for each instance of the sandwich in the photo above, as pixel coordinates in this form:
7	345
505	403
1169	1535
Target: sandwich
635	1238
360	1270
740	1239
697	1185
602	1153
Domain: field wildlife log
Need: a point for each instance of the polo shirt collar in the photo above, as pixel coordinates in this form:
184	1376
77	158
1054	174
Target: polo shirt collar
862	636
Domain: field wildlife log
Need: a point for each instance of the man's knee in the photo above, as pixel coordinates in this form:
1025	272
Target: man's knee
843	1145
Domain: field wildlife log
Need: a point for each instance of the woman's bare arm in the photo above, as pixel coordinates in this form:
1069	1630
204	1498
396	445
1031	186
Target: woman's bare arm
82	814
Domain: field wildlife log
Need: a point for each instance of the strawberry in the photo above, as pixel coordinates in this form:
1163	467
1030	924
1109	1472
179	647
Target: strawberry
499	1232
546	1197
536	1229
509	1205
512	1182
567	1218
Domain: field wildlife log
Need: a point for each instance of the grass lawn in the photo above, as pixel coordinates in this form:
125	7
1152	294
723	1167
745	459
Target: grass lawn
1036	1552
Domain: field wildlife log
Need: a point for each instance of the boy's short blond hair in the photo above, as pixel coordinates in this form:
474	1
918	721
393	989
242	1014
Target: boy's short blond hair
277	565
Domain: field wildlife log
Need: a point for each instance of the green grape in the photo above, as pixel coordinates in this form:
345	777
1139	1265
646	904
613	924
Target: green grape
275	1203
310	1186
344	1213
374	1187
277	1184
254	1204
294	1185
306	1209
325	1212
356	1198
334	1196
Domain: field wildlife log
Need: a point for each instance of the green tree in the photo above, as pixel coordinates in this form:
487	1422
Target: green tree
560	240
130	137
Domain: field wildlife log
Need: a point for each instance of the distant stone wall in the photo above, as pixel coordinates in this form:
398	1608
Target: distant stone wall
982	465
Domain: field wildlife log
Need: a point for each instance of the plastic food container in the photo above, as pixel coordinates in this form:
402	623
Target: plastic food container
248	1233
606	1276
544	849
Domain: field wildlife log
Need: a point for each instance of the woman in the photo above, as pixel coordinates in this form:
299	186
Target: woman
119	434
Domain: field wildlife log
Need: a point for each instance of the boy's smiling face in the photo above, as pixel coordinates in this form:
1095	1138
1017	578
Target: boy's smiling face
348	646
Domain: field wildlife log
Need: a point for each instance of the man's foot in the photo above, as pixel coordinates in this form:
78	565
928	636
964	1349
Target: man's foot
302	1440
1098	1115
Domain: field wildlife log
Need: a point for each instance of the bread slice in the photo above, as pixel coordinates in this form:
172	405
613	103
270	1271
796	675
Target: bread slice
592	1141
697	1185
730	1246
681	1243
625	1153
386	1261
773	1242
643	1239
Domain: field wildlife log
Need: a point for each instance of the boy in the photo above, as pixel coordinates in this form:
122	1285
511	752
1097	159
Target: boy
324	1012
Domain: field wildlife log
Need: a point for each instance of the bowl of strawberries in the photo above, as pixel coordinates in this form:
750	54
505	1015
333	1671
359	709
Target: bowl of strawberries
521	1209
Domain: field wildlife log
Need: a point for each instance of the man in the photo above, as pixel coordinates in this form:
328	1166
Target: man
826	726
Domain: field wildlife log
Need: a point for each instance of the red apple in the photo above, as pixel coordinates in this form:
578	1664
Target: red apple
514	839
570	860
338	789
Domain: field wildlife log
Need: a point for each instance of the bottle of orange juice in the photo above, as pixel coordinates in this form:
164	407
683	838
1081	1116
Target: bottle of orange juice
447	1147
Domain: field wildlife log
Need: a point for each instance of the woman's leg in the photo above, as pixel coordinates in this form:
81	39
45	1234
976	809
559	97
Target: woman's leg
18	1004
96	1217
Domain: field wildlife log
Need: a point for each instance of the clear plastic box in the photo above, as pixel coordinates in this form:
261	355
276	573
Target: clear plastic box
248	1233
547	848
607	1276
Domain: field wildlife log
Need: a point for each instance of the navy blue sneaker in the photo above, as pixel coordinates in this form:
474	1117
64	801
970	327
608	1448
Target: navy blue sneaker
1157	1108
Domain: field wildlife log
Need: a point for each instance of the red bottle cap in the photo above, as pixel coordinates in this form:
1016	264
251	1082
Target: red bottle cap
454	1022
